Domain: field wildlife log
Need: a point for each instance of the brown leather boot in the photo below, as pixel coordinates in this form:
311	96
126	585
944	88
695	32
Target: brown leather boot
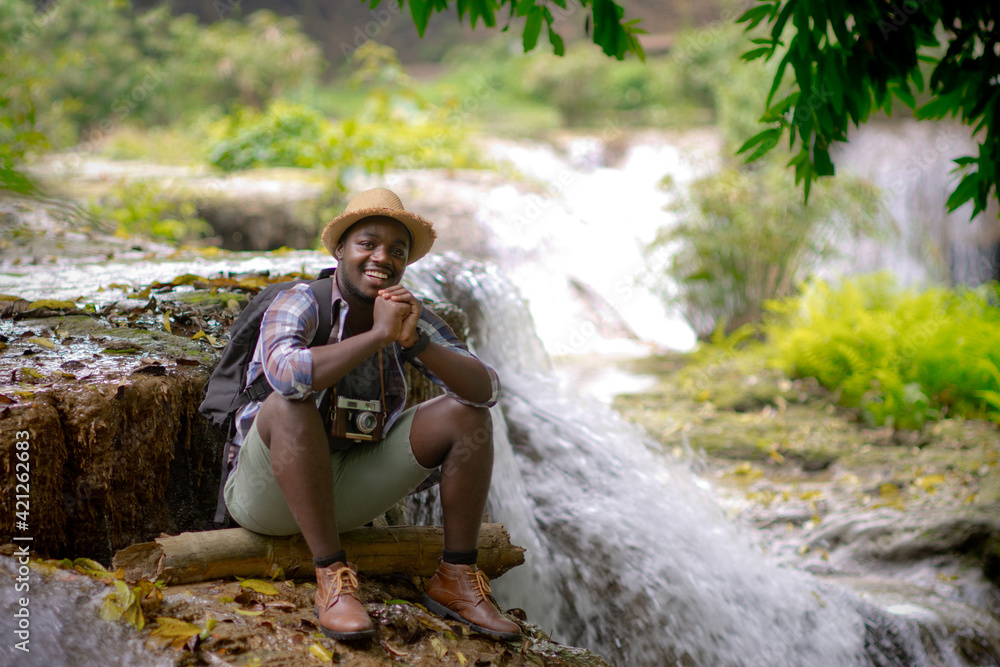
340	613
462	592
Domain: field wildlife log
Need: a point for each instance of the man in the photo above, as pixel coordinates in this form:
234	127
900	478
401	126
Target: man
298	470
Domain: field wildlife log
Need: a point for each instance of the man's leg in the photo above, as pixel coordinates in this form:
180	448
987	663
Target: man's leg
459	438
293	431
300	459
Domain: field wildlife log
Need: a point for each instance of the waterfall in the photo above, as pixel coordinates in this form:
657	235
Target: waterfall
628	555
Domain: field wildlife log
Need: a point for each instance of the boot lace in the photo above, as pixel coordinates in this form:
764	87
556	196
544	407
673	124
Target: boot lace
342	582
482	583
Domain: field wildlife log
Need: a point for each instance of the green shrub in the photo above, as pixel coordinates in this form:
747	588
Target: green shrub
395	128
286	135
142	208
902	356
95	65
744	236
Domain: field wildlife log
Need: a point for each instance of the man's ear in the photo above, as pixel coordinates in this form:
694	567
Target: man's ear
338	251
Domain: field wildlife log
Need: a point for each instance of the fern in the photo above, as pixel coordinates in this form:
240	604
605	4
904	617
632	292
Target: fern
903	357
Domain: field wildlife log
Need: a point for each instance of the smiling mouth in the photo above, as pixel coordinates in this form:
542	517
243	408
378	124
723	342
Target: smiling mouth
377	274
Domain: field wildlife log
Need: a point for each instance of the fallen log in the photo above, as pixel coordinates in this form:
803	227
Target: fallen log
220	554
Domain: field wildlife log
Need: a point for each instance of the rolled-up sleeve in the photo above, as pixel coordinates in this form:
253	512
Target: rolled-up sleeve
287	327
441	334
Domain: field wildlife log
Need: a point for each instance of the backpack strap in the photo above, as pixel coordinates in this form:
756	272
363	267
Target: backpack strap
322	289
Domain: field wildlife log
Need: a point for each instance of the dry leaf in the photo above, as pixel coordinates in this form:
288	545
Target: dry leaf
321	653
264	587
178	631
44	342
440	650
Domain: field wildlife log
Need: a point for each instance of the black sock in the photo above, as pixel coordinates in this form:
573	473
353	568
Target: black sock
461	557
339	557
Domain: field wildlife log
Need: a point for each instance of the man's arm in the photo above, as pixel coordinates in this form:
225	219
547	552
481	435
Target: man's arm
463	374
293	368
467	377
334	361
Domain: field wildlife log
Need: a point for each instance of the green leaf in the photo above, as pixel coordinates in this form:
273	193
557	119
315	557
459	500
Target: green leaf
768	140
904	95
420	10
821	159
753	54
765	137
965	191
532	27
754	16
558	48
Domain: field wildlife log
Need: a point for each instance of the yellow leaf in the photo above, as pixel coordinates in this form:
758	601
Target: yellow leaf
440	650
321	653
144	294
175	629
888	490
187	279
264	587
928	482
970	499
210	251
461	658
209	626
89	566
226	599
776	455
166	321
120	286
254	283
200	334
52	304
244	612
44	342
32	373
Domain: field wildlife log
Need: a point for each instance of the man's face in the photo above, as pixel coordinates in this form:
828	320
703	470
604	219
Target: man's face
371	256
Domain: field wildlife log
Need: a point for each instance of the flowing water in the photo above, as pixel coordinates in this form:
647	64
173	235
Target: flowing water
627	553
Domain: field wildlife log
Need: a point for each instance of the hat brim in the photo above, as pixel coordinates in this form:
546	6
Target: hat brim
421	230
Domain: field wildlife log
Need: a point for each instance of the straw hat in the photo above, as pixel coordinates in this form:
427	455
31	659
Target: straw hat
380	201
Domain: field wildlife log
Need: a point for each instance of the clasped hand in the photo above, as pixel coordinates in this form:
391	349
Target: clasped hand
396	315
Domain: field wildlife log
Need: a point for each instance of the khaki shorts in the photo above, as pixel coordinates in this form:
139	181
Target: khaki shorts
367	480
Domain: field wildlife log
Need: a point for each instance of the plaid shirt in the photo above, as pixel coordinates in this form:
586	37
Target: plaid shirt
283	356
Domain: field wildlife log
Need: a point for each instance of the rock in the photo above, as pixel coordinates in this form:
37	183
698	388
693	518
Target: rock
116	452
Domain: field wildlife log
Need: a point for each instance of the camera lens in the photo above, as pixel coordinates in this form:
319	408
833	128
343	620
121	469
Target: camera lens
366	422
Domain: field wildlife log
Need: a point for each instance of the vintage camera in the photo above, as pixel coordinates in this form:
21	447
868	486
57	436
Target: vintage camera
355	419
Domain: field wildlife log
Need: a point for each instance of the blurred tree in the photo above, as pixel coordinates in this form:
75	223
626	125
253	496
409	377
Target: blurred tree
742	238
851	59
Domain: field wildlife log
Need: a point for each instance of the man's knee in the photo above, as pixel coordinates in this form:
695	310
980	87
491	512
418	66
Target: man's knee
474	431
281	415
471	423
